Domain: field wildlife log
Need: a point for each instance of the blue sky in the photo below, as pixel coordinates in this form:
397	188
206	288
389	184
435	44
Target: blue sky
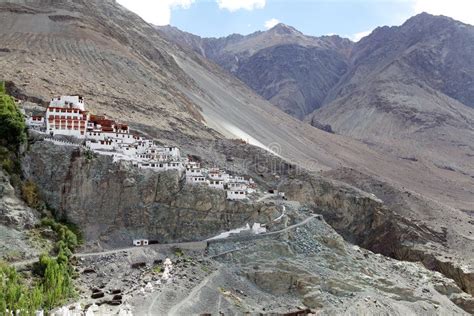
345	18
348	18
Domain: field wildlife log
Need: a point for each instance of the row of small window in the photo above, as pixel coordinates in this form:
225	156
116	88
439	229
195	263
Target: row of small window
67	123
65	111
99	134
68	127
75	119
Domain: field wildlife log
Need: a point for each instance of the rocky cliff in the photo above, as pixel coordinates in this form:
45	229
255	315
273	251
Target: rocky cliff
16	220
115	203
367	221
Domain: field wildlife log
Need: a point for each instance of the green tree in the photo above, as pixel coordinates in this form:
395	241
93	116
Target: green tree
12	123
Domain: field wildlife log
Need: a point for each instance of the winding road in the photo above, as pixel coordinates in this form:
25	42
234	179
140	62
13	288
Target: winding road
194	245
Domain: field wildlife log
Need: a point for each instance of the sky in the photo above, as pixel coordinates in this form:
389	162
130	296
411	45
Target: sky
348	18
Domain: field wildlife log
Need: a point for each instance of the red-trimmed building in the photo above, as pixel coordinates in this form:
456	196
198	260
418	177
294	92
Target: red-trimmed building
67	118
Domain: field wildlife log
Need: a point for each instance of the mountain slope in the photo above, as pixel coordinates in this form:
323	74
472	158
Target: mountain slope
291	70
409	89
120	63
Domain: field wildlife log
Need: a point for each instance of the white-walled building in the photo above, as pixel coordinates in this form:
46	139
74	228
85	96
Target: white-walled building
216	184
76	102
67	115
35	122
197	180
237	186
106	145
236	194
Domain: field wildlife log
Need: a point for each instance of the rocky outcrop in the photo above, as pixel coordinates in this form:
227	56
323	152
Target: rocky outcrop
14	213
115	202
313	264
364	220
16	219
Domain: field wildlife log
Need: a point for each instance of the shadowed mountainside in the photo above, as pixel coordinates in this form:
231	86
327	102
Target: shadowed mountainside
291	70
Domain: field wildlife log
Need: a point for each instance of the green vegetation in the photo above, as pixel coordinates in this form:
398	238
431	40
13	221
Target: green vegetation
12	135
52	284
30	194
89	154
68	238
15	294
158	269
178	252
12	123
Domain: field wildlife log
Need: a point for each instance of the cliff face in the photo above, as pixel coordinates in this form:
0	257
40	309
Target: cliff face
366	221
116	203
16	219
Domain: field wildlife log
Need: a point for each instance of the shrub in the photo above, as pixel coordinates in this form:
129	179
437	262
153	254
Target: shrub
12	123
67	238
30	194
16	295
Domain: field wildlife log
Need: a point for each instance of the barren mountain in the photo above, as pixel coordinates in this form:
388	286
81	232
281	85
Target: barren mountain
291	70
409	88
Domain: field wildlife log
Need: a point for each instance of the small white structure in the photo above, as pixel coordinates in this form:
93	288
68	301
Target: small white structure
237	186
216	184
107	145
167	268
140	242
35	122
236	195
194	172
76	102
197	180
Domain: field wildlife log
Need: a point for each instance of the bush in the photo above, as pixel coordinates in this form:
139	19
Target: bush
12	123
30	194
67	238
15	294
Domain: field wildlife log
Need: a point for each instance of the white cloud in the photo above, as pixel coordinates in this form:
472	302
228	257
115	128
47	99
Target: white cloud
271	23
235	5
462	10
358	36
157	12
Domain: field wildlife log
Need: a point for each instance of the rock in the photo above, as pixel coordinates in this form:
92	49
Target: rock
117	298
97	295
138	265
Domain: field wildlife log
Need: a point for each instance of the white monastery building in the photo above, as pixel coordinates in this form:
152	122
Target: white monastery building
68	116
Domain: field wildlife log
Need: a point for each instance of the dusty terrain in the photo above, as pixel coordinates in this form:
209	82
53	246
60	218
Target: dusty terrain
307	266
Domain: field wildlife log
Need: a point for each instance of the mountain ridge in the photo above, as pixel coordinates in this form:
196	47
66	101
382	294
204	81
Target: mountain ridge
286	85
